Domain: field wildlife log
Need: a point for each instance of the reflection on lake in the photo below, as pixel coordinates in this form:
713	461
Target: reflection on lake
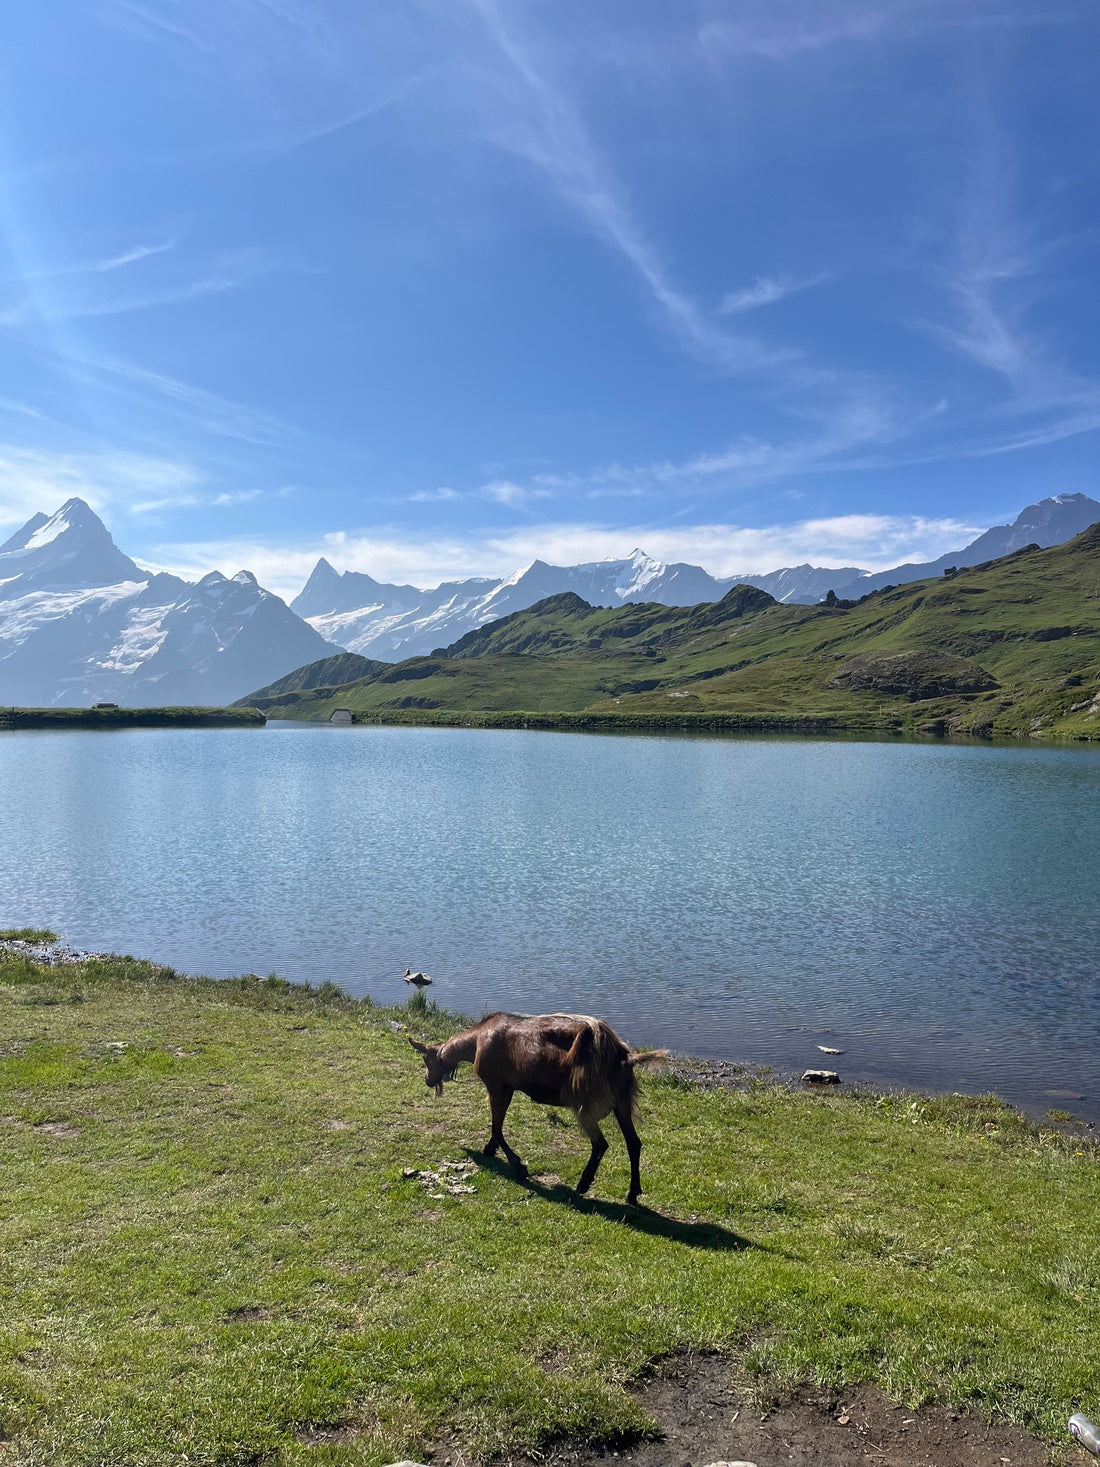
931	910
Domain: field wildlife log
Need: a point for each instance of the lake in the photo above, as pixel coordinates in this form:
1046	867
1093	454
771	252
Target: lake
933	910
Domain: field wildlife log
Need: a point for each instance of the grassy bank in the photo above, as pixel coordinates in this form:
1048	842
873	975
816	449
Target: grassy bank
15	718
1008	649
211	1251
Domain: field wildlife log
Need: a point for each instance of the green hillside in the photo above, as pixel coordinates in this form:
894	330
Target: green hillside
1011	648
327	672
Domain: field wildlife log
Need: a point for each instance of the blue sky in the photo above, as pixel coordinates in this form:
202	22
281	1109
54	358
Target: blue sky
433	288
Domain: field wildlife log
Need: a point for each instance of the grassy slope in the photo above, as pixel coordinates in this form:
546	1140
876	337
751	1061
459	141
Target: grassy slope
327	672
210	1254
1031	622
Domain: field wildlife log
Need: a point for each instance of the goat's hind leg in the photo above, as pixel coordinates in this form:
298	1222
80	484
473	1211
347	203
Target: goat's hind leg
499	1101
591	1128
633	1150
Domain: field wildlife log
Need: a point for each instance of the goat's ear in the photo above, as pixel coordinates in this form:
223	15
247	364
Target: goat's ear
420	1048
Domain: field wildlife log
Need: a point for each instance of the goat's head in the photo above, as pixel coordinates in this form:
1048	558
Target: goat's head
435	1071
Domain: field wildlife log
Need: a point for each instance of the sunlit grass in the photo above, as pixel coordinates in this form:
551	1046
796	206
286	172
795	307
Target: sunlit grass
210	1251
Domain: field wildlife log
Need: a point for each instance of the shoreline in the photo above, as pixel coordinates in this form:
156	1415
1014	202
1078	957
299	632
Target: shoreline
811	726
703	1073
12	720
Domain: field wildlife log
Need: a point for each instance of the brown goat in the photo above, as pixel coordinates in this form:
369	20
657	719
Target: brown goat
556	1059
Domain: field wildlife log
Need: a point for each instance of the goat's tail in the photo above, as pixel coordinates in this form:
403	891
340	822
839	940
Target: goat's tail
646	1057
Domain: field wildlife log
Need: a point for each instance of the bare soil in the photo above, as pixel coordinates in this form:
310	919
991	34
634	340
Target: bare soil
706	1417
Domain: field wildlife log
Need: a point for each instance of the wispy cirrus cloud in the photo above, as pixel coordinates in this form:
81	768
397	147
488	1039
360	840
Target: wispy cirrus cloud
779	30
84	296
33	479
196	407
766	290
537	121
132	255
998	269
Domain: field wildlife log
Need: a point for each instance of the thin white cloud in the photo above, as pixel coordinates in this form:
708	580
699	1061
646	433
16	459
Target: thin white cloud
873	542
85	299
391	97
126	305
999	267
433	496
765	290
854	425
129	257
145	21
543	126
504	491
33	479
778	30
234	497
103	266
199	408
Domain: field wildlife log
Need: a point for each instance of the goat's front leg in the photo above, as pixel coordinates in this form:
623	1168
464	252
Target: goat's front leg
500	1098
592	1130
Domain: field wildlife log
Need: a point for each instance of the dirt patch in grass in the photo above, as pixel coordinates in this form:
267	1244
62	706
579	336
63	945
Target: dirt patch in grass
707	1416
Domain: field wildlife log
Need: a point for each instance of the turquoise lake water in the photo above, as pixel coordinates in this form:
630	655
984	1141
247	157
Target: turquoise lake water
932	910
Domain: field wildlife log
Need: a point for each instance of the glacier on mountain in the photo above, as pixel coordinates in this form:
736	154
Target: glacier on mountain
80	622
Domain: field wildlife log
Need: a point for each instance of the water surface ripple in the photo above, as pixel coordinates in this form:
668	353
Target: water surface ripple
933	910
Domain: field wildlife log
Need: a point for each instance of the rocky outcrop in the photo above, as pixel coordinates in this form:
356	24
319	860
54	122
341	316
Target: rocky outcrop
913	675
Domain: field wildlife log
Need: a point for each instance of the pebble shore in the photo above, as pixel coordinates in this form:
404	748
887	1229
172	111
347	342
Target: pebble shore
50	954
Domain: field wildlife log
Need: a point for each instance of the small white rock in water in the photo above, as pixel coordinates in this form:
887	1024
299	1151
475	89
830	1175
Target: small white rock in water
821	1077
731	1464
824	1048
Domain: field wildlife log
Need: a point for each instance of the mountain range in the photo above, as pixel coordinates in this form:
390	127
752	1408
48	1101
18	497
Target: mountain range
1009	647
81	622
393	622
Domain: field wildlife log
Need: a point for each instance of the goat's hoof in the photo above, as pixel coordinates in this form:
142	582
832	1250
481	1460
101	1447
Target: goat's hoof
632	1200
520	1173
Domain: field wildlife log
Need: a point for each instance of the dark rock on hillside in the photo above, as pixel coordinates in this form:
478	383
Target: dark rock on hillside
913	675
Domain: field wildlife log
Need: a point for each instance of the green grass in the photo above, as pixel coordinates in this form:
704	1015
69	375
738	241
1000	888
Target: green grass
27	934
14	718
1008	649
210	1252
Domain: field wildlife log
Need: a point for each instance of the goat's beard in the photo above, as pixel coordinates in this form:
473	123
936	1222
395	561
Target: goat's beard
446	1075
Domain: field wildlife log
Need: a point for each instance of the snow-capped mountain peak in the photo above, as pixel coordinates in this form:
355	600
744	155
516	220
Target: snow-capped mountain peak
67	550
80	622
